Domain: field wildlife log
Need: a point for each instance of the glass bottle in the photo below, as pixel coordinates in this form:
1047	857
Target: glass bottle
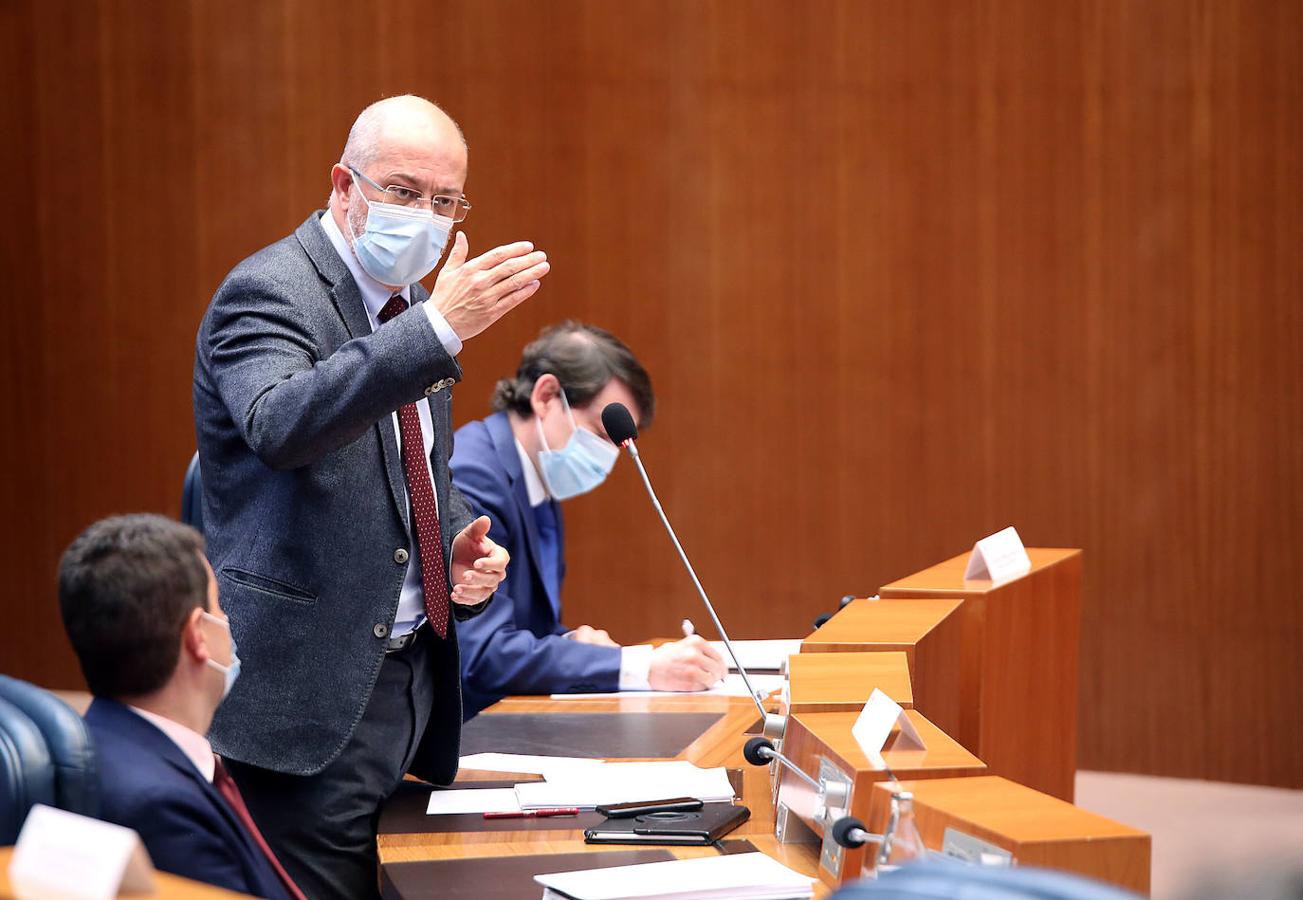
901	844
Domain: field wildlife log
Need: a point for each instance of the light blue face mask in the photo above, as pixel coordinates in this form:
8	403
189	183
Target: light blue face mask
230	672
578	467
400	245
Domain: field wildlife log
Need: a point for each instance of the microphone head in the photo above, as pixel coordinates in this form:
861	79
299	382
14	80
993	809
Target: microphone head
841	832
618	424
751	751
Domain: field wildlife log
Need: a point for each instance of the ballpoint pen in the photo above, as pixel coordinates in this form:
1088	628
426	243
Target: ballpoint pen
545	813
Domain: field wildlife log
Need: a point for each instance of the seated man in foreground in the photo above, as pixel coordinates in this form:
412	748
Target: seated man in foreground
140	606
546	444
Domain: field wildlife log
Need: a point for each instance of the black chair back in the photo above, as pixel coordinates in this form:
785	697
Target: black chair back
67	741
26	770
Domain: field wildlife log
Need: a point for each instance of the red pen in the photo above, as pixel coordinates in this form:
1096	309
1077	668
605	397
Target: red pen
545	813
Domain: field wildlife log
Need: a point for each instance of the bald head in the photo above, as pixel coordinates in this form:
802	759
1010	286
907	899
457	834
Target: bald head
398	121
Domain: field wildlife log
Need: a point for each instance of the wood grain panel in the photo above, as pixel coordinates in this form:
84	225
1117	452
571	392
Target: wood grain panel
904	274
930	632
1018	664
1039	830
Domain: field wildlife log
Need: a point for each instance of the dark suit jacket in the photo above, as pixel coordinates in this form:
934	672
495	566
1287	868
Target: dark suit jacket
149	785
516	646
304	500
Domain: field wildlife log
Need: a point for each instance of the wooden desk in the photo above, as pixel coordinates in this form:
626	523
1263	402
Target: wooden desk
167	886
720	745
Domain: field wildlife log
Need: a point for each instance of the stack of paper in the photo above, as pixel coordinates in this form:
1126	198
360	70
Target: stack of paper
731	686
748	876
448	803
626	782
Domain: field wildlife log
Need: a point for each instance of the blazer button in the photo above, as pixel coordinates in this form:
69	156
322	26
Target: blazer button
400	555
380	630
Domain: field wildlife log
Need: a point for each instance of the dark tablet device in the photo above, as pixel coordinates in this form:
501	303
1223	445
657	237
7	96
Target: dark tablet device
704	826
640	807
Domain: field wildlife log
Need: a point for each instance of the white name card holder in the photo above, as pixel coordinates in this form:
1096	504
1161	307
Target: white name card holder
64	856
880	716
999	557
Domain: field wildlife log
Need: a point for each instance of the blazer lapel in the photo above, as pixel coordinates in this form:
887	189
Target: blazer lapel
346	297
504	442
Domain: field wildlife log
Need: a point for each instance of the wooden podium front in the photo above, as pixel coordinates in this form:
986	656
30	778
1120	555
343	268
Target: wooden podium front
821	745
1017	678
927	630
1037	829
832	682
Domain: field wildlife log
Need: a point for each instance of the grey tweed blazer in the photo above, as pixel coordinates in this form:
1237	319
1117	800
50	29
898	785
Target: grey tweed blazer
304	506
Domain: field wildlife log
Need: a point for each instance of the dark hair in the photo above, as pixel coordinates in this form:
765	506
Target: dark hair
584	358
126	586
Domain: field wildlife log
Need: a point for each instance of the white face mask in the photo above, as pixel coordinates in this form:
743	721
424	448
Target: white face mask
229	672
578	467
399	245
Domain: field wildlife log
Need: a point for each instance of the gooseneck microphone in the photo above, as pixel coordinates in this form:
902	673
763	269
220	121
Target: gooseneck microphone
849	832
622	431
760	750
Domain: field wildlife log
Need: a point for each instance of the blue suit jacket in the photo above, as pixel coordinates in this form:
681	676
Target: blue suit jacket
516	646
305	506
149	785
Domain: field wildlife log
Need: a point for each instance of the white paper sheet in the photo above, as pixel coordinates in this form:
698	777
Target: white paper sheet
751	876
73	857
627	782
444	803
999	557
731	686
759	654
874	724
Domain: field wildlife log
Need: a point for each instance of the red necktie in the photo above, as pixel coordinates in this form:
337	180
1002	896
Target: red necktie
425	510
225	785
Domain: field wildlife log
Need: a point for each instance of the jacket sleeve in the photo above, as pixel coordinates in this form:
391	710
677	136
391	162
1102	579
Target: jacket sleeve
292	405
500	655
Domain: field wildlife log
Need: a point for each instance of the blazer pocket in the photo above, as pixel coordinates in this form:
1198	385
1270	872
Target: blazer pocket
269	585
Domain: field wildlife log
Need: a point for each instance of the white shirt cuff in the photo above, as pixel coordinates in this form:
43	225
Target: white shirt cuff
442	329
635	668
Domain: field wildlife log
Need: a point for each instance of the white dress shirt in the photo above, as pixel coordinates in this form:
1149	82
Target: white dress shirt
635	662
193	744
411	602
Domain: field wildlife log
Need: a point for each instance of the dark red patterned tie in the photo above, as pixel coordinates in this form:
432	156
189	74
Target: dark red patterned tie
225	785
425	510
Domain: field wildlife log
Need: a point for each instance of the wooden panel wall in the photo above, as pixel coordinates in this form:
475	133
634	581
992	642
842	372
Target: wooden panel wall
904	272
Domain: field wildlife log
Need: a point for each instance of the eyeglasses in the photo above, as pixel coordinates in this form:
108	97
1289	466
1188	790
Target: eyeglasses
454	208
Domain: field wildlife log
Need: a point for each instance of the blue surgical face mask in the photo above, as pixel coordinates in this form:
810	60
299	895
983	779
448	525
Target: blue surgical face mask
578	467
400	245
232	671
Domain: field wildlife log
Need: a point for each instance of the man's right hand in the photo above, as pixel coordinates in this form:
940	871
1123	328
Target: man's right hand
687	665
473	294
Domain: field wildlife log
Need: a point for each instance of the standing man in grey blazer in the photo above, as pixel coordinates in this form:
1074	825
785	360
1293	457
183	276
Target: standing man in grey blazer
322	391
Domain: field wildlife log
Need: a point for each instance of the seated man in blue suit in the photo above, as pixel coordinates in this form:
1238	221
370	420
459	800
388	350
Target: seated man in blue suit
546	444
140	606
